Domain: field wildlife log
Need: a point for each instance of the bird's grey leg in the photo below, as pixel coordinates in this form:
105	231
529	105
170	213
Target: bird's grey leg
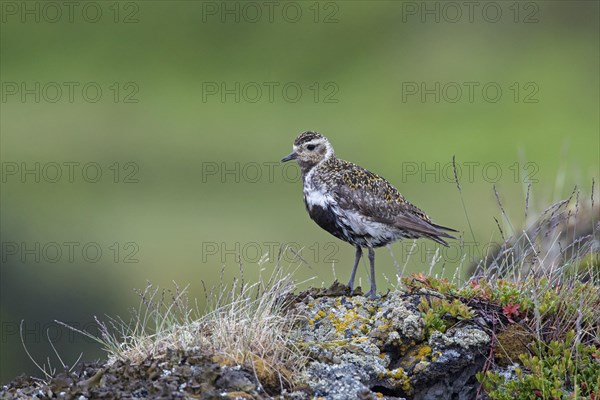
353	274
372	294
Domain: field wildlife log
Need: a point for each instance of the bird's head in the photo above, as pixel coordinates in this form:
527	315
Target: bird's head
310	148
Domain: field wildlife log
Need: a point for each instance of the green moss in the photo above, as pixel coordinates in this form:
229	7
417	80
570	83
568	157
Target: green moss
513	342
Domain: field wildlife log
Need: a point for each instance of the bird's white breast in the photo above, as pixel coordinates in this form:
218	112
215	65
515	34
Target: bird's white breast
317	197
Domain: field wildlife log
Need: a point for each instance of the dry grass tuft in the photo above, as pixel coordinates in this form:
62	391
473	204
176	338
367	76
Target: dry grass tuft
243	324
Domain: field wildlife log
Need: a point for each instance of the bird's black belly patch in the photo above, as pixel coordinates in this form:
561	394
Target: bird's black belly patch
326	219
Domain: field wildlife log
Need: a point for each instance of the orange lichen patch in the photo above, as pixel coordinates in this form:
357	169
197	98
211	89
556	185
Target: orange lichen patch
364	329
417	355
423	352
398	376
346	321
316	317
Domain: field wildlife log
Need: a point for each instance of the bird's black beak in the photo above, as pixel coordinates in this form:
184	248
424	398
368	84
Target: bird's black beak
289	157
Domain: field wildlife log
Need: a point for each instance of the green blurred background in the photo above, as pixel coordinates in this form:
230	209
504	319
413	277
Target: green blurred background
170	121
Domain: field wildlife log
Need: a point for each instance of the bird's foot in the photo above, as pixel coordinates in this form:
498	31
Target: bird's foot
371	295
350	287
354	291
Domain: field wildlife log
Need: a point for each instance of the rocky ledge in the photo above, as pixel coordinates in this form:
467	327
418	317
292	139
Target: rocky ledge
372	349
356	347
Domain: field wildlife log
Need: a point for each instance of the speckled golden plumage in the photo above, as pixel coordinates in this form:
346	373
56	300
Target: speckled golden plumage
355	204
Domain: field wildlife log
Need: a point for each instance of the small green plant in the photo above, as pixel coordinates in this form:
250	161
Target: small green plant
438	313
541	292
560	370
415	282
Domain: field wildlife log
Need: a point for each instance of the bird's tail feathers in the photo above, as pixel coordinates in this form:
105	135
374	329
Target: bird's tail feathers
436	238
444	228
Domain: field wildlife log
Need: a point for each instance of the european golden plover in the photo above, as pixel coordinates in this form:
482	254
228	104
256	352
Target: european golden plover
356	205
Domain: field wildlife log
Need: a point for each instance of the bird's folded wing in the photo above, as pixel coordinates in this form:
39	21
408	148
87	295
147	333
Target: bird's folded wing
387	206
369	203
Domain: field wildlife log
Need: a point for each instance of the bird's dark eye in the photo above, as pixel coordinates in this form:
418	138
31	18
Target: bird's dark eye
311	147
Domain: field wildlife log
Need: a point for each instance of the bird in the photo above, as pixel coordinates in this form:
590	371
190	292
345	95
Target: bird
356	205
